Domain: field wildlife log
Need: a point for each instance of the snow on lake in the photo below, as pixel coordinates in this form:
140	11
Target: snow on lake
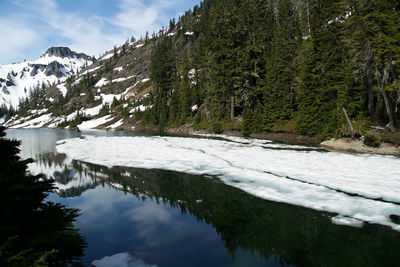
360	188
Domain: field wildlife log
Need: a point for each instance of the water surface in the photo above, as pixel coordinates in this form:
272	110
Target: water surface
169	218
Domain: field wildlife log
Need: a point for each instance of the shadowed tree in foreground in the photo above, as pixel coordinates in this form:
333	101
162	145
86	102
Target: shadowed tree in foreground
33	232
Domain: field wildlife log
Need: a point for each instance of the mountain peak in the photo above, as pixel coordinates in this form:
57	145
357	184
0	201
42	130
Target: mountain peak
57	64
65	52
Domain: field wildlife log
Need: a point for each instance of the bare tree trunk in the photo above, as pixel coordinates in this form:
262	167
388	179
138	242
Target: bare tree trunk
371	100
308	17
382	79
348	120
389	112
232	107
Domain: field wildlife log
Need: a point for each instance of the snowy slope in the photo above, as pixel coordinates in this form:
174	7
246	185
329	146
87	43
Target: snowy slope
127	81
57	64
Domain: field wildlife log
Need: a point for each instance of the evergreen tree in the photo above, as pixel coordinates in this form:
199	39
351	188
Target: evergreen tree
32	231
280	85
163	75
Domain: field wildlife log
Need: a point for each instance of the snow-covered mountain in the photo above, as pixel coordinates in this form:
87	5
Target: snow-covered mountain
57	64
121	76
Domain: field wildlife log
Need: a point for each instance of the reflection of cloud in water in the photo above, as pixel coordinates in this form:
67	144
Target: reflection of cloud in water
150	213
148	218
120	260
97	206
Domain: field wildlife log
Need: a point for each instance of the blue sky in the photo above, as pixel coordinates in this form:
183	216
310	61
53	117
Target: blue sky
29	27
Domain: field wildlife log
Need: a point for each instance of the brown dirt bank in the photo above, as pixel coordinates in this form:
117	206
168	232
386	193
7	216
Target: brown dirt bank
287	138
357	146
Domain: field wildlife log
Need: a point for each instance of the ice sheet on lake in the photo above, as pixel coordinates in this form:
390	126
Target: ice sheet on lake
120	260
361	187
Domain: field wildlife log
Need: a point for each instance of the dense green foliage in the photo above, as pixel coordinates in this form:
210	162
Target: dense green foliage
32	232
273	63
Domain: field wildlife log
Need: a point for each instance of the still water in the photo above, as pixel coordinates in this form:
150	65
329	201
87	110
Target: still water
168	218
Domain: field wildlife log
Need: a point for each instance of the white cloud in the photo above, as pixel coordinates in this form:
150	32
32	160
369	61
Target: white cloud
139	17
83	34
50	25
15	38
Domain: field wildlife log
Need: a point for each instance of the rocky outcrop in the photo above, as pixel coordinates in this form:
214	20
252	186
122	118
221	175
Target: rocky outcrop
54	68
64	52
36	68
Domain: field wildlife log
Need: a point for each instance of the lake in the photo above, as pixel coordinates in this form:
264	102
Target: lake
197	216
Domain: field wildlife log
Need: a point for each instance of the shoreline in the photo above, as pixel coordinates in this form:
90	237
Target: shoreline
357	146
278	137
342	145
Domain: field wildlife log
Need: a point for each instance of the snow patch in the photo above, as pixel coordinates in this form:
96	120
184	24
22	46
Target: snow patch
123	79
141	108
105	57
341	19
38	122
91	70
102	82
116	124
77	81
87	125
342	220
63	89
109	98
92	111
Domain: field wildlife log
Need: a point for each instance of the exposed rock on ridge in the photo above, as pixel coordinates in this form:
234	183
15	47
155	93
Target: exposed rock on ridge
64	52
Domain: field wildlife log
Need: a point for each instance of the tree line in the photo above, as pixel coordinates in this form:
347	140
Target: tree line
280	65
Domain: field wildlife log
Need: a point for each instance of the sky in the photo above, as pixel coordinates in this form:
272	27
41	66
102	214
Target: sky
29	27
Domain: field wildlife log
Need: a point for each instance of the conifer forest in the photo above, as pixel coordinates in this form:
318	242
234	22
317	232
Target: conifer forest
299	66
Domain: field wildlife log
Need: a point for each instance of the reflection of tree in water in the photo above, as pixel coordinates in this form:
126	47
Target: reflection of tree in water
297	235
72	178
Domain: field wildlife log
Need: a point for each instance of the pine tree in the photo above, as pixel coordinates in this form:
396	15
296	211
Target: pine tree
163	74
308	112
32	230
286	44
